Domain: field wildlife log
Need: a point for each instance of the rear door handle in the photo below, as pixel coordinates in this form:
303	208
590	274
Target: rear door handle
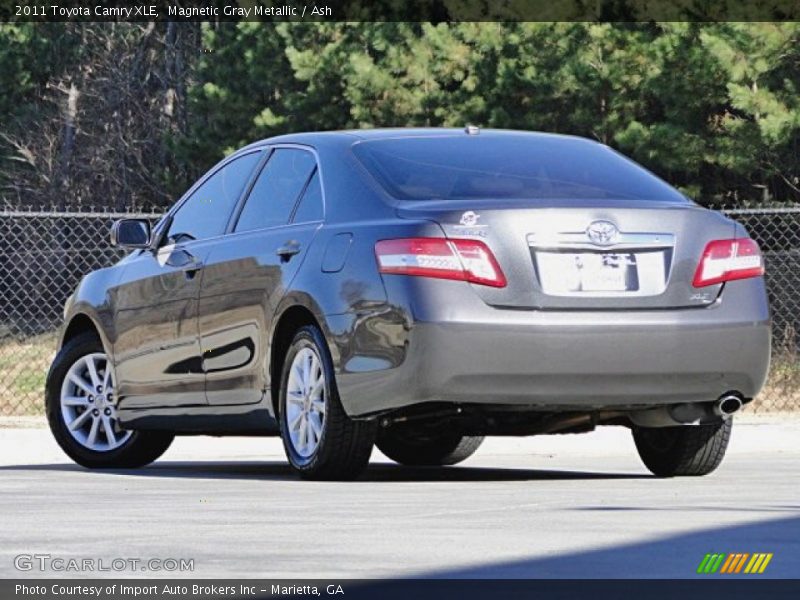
288	250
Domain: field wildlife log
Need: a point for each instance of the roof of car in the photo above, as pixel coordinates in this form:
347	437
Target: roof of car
354	135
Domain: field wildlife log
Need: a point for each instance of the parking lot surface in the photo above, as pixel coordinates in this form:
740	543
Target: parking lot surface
559	506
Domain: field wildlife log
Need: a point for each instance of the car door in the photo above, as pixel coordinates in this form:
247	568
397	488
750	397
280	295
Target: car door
249	270
156	351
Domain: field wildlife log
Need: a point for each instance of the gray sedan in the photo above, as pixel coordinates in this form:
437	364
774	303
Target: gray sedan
416	289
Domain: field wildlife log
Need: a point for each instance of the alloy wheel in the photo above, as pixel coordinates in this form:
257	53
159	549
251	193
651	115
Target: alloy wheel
305	402
88	404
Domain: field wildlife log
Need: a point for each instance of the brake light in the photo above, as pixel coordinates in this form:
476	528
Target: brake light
462	260
726	260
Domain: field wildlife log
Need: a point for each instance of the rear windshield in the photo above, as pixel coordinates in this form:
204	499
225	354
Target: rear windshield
508	167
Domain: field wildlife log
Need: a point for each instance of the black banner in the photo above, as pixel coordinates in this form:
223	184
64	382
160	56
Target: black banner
407	589
399	10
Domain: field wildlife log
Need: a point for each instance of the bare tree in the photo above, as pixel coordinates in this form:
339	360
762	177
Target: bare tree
101	138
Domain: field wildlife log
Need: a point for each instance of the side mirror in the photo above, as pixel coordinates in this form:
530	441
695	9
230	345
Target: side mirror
131	233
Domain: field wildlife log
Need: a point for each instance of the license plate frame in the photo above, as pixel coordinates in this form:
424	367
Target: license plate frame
588	273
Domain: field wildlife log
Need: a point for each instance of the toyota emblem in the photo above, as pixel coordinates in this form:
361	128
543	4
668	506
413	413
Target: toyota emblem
602	233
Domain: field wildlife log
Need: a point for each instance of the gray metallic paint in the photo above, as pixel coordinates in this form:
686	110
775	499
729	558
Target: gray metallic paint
193	353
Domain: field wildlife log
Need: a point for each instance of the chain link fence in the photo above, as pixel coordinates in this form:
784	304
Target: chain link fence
777	231
43	255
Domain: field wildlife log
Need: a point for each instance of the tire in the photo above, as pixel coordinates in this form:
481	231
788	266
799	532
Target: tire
683	451
431	450
320	440
64	399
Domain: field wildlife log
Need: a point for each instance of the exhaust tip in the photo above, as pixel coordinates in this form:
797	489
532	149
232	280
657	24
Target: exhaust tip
727	405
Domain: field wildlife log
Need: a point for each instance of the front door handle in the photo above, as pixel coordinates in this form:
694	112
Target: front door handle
192	266
288	250
185	261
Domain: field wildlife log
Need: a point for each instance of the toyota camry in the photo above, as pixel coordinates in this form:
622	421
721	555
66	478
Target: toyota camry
416	290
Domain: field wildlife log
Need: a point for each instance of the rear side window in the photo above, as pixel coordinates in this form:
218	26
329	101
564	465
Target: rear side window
206	212
277	189
508	166
310	207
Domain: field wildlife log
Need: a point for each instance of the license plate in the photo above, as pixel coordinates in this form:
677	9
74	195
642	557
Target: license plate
562	272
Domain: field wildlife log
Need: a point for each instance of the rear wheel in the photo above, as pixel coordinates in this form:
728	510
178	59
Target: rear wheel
320	440
680	451
80	401
416	449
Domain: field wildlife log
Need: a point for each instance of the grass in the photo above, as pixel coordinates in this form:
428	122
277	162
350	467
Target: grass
24	364
782	391
23	368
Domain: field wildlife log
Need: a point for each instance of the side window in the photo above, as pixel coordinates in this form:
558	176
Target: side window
205	213
275	192
310	207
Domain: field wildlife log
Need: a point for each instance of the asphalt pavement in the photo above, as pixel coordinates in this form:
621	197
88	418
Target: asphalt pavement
559	506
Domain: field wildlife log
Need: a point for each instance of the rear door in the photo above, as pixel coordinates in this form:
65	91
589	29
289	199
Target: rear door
249	270
156	351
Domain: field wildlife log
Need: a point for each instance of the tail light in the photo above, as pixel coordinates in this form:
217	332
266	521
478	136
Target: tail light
463	260
726	260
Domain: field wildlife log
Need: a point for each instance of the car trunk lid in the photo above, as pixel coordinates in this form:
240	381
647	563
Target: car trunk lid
586	255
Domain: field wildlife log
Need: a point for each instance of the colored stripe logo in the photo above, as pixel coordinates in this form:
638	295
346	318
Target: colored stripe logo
749	564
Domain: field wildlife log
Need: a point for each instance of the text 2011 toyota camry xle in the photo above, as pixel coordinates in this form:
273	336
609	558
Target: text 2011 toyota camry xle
416	290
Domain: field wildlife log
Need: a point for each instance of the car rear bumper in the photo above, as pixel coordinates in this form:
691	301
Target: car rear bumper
571	360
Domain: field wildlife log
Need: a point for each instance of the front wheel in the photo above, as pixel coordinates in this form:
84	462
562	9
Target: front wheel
686	450
407	448
320	440
80	402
